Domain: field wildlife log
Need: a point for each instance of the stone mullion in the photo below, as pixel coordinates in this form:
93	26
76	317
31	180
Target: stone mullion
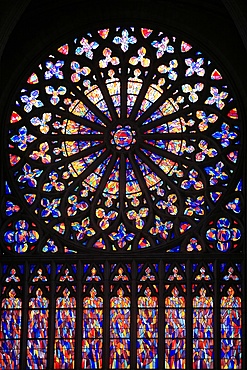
78	337
106	317
161	317
24	323
51	329
133	318
216	332
189	317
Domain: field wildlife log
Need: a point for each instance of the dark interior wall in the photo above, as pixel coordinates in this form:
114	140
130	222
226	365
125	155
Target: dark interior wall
29	26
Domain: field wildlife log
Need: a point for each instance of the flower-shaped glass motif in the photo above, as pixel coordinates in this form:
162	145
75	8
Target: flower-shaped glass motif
129	139
23	138
125	40
21	238
223	234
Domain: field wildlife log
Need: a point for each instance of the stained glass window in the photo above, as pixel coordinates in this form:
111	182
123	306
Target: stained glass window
38	317
122	236
65	320
147	322
175	317
10	330
92	319
37	328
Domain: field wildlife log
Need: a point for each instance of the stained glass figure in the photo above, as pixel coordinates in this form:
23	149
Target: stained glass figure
175	330
119	331
203	326
231	330
10	332
147	332
92	331
65	331
38	316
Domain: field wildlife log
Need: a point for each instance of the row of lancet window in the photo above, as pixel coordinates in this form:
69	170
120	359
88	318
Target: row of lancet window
157	318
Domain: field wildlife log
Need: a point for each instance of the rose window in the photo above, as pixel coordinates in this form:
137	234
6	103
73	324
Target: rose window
123	139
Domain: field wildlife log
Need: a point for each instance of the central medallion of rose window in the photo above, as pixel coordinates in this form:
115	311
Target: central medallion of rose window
123	137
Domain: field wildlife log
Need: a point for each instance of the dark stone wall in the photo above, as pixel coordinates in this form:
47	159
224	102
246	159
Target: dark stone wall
29	26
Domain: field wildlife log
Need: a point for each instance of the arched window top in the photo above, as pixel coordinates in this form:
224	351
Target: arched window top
123	140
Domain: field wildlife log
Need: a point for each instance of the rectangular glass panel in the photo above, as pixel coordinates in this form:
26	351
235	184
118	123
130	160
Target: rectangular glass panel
203	354
175	354
10	354
64	354
37	354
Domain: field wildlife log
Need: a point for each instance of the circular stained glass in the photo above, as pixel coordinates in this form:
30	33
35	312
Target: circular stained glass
124	139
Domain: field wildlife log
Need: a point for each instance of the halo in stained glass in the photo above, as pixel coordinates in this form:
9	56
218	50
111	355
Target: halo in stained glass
125	139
